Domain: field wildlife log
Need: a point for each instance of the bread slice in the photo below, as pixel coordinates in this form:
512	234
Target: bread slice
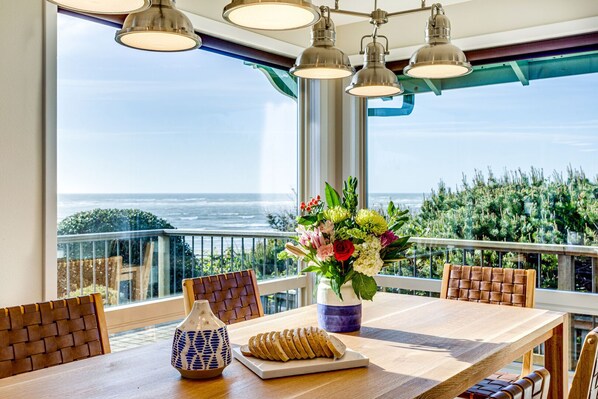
297	341
313	343
254	349
285	346
277	346
305	343
245	351
288	337
261	341
270	346
336	346
323	340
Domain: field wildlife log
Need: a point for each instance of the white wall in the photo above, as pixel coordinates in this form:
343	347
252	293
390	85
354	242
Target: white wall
21	151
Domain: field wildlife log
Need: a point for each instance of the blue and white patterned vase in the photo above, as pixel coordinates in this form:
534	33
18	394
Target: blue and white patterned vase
335	315
201	348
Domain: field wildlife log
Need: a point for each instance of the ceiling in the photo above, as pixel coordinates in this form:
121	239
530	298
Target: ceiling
476	24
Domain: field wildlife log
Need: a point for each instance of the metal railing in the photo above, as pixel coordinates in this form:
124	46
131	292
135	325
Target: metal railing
121	267
567	274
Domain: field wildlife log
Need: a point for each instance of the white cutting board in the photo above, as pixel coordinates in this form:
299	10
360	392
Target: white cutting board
266	369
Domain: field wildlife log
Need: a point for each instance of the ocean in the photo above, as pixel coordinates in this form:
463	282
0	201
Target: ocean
239	212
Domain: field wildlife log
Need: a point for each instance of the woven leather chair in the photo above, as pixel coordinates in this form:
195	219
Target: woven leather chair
585	379
233	296
41	335
512	287
532	386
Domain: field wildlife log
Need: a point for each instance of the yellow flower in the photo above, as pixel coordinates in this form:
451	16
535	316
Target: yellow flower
337	214
371	221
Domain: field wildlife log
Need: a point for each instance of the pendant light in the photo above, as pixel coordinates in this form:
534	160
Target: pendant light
160	28
103	6
374	79
322	60
271	14
438	59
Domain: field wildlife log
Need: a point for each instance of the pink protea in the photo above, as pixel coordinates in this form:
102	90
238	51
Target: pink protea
325	252
388	238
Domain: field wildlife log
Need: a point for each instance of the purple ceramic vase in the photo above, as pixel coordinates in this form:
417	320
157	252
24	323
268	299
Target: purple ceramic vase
335	315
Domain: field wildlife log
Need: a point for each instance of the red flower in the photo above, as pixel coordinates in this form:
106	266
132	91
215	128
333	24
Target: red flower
343	249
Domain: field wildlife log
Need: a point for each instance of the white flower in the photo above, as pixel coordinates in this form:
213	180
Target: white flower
368	261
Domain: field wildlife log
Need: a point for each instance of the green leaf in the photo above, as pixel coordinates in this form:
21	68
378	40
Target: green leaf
399	243
306	220
364	286
391	209
309	269
332	197
336	287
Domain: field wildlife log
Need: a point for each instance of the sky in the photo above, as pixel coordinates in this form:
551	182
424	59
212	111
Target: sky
550	124
131	121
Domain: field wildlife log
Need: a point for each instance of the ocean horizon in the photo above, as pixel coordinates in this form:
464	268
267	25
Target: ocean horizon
213	211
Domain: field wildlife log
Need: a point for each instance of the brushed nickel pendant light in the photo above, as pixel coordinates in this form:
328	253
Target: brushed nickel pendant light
374	79
438	59
271	14
160	28
322	60
104	6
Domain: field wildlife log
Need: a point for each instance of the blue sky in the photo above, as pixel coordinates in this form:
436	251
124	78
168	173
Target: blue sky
549	124
136	121
133	121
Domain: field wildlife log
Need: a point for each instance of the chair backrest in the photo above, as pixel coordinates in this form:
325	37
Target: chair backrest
233	296
495	285
585	379
533	386
46	334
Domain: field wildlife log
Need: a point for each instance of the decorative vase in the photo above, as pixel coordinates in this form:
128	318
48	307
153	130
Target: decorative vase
201	348
335	315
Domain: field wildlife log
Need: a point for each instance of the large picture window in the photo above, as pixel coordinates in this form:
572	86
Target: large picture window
194	141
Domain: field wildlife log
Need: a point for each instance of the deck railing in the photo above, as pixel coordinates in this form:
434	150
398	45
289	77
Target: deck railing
150	265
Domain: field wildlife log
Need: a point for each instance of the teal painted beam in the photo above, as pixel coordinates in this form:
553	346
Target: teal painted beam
434	85
405	109
521	72
541	68
282	81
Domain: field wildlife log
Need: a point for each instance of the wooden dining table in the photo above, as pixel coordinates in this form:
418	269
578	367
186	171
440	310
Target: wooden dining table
418	347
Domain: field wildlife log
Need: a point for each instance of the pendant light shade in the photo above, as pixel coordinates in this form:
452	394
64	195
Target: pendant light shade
374	80
438	59
160	28
103	6
322	60
271	14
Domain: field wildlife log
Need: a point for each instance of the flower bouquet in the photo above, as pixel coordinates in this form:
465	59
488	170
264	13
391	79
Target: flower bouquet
344	244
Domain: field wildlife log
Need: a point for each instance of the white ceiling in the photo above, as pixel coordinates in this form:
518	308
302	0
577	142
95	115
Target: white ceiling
475	24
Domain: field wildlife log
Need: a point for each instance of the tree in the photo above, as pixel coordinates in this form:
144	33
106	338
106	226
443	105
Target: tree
517	207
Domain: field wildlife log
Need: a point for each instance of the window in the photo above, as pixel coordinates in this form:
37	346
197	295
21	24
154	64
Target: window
151	141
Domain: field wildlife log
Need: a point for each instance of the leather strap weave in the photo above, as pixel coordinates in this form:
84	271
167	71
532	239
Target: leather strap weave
46	334
233	296
487	285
